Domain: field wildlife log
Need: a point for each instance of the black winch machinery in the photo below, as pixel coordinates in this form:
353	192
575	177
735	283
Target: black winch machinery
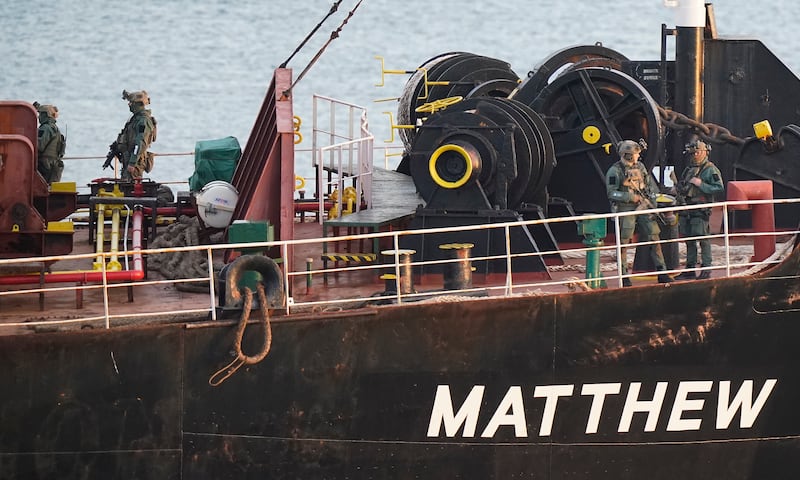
490	147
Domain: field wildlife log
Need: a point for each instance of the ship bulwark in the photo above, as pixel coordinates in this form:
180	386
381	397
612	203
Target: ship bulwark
697	378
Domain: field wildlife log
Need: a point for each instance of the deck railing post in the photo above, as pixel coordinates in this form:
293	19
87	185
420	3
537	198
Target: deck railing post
509	276
106	312
396	243
286	284
618	238
725	231
211	292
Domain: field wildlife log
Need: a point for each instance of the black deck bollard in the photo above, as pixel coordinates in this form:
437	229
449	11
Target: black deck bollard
406	281
457	274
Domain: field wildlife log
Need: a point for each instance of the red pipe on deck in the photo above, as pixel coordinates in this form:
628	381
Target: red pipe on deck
90	276
763	214
171	211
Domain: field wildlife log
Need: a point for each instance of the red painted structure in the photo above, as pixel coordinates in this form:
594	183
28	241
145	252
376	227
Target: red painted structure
763	214
267	163
26	204
90	276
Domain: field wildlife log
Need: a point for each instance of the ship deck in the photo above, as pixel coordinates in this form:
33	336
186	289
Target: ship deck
366	275
315	285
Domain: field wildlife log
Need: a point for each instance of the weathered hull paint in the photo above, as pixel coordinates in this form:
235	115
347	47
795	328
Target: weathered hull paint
351	395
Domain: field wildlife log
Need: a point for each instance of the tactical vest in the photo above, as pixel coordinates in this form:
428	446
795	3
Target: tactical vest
689	193
126	140
56	145
632	178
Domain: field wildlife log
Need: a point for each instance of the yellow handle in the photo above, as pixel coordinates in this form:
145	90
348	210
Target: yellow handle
393	127
440	104
384	71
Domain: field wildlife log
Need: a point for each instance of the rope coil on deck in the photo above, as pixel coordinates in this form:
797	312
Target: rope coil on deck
181	265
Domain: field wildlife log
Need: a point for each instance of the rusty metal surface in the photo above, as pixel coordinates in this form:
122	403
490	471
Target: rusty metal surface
267	163
342	397
351	394
57	205
24	195
92	406
19	118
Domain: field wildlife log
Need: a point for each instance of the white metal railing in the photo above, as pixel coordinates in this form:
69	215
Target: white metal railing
342	147
297	296
341	162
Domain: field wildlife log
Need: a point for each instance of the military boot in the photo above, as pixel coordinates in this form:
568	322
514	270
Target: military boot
704	275
663	277
687	274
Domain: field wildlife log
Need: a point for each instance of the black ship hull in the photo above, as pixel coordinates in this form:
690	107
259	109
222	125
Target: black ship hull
695	380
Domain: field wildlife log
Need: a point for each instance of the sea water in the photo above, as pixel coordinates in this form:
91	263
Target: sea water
206	64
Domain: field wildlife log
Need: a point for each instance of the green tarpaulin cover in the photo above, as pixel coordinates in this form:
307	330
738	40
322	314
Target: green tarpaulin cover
214	160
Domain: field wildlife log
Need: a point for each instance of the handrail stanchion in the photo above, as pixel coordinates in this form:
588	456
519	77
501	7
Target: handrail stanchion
211	292
106	311
618	239
396	242
509	276
725	229
320	189
286	284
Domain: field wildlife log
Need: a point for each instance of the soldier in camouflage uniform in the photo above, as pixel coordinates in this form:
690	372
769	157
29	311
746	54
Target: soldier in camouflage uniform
627	183
50	145
699	182
136	136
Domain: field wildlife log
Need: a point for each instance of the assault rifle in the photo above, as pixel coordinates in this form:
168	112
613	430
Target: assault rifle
113	152
681	190
648	203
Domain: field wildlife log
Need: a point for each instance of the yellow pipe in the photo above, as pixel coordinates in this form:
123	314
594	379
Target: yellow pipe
101	223
113	263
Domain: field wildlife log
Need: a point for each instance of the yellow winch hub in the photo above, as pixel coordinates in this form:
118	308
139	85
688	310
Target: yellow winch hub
461	152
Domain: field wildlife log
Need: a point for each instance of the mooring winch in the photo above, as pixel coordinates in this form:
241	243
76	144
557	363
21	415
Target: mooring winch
482	160
455	74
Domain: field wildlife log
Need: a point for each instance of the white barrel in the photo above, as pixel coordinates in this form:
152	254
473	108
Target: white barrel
216	202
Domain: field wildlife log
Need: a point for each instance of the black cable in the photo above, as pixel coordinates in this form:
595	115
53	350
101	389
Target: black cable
334	35
333	10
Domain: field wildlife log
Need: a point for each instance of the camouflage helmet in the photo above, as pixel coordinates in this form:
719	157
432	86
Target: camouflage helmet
136	97
627	148
696	145
48	110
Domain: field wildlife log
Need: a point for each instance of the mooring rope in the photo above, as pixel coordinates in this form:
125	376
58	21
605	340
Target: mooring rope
181	265
241	359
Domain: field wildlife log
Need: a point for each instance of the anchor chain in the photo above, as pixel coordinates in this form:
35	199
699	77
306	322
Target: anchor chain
708	132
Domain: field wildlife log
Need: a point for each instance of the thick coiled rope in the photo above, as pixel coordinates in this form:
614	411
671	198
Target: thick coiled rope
241	359
178	265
